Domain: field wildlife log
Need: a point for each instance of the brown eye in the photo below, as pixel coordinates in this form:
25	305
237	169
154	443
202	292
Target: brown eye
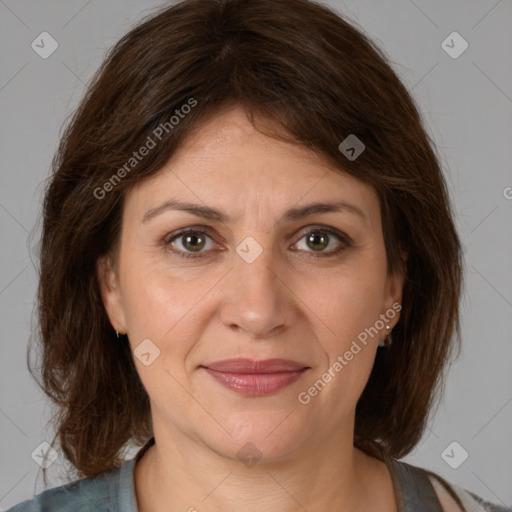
193	242
320	239
317	240
187	243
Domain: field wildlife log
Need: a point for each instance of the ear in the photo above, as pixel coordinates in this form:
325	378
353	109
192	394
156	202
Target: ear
110	293
394	289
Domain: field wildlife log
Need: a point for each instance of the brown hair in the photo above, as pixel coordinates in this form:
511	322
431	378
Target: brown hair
319	79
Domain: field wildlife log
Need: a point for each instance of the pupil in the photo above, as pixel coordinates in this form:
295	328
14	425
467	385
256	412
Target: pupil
314	240
192	239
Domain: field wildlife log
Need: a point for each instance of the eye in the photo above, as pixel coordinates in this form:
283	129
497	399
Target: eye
318	239
191	241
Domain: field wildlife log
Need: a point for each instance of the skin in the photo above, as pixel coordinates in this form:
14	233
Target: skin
287	304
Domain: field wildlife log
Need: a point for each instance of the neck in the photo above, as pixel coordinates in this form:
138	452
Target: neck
181	474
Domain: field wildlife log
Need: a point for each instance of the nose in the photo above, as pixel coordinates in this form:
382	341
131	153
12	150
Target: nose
257	298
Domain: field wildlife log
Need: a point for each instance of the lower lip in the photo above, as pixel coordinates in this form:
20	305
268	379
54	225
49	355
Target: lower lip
256	384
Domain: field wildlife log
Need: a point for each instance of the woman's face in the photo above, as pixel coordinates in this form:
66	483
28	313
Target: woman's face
253	274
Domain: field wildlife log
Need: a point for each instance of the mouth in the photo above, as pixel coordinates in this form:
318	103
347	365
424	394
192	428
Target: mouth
255	378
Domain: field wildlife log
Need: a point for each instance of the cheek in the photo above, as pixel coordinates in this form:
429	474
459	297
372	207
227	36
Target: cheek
158	309
350	307
157	303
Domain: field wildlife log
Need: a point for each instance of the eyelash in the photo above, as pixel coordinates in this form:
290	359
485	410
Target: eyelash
342	237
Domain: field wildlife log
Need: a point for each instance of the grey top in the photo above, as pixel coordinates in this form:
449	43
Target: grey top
114	491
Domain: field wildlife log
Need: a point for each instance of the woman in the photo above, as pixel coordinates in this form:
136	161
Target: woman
249	266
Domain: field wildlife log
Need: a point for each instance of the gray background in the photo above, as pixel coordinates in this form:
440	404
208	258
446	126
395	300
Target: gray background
467	105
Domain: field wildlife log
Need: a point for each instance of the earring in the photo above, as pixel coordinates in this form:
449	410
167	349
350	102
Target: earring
117	334
386	342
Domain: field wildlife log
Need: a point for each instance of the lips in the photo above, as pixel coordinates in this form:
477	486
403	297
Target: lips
255	378
251	366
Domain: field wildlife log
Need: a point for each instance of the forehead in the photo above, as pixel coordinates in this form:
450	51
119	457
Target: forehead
228	163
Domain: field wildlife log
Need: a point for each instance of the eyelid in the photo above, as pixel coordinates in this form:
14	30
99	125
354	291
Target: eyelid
343	238
209	230
181	232
328	229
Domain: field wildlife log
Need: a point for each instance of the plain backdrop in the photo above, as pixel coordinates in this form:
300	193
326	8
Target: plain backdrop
467	106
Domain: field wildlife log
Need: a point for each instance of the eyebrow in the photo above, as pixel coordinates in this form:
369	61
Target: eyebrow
292	214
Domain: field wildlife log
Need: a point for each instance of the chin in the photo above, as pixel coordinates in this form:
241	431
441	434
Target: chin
259	438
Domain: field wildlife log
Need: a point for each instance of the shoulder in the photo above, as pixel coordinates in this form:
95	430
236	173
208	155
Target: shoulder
98	493
445	492
418	489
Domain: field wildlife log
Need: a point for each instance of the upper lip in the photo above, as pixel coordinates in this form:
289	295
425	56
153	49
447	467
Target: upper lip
243	365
